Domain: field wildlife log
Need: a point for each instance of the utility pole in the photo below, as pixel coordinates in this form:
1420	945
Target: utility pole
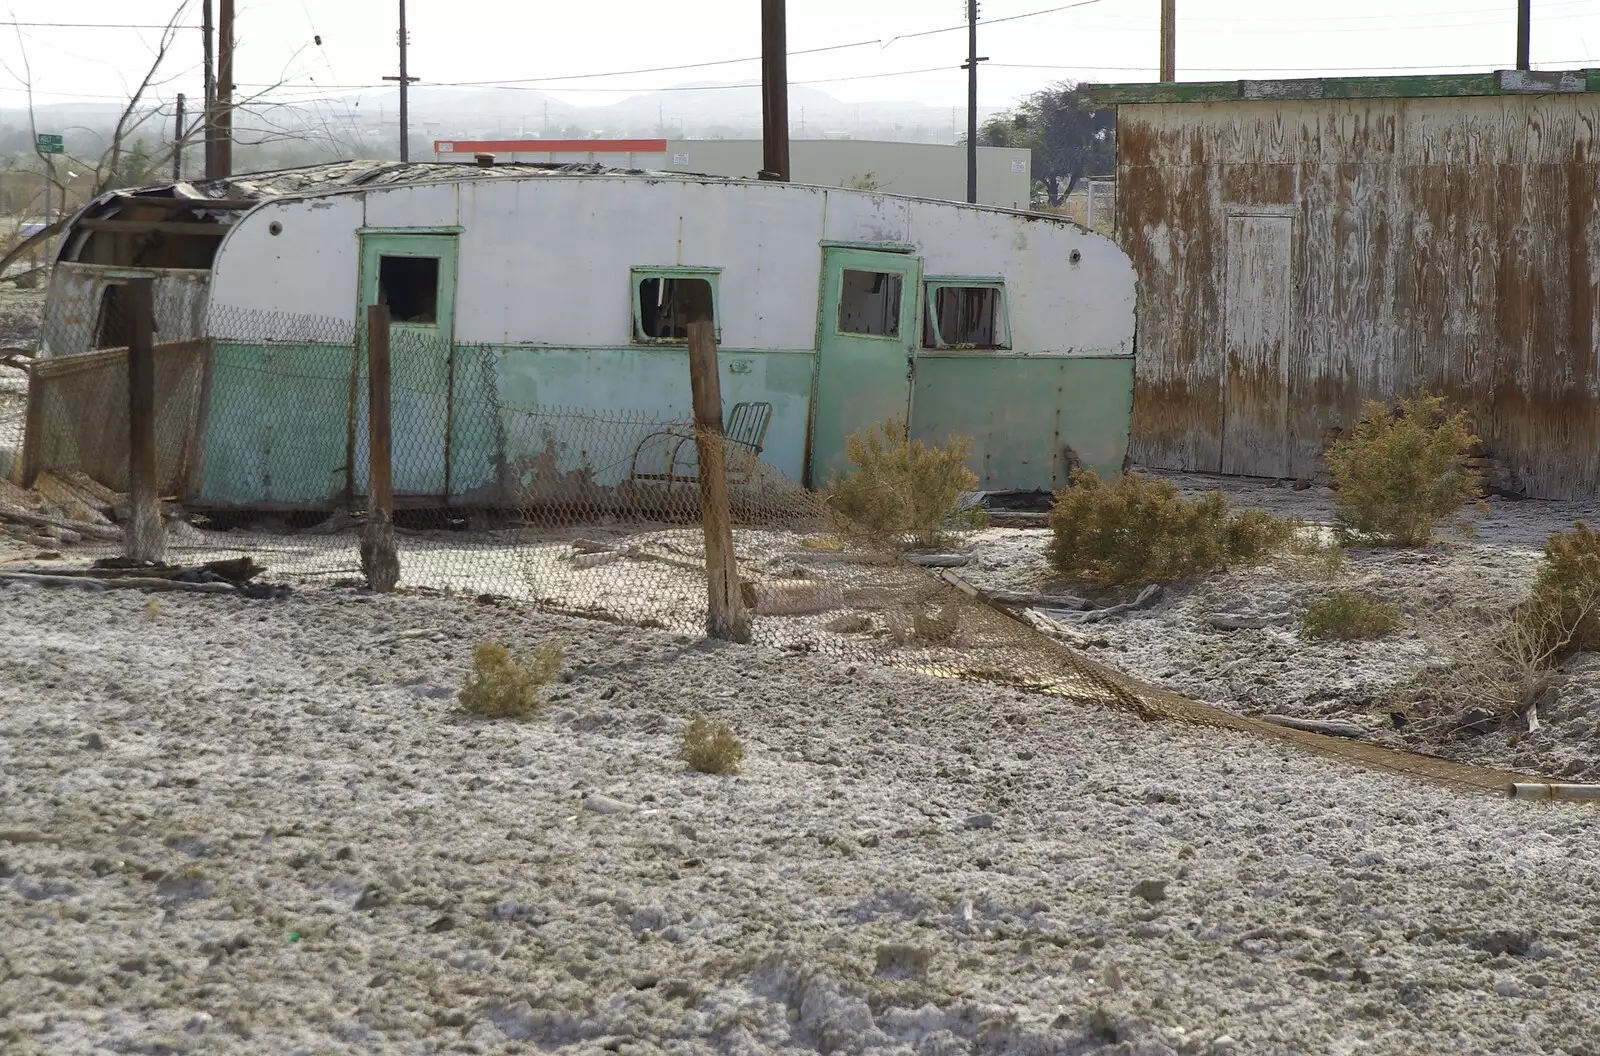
1169	39
1524	33
405	83
177	143
973	58
223	123
774	91
208	109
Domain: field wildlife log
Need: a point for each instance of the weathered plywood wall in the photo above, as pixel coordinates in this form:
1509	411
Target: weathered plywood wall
1297	258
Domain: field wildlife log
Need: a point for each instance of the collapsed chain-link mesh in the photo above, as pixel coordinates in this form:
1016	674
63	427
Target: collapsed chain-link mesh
593	512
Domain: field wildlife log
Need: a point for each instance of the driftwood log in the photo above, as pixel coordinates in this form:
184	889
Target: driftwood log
147	585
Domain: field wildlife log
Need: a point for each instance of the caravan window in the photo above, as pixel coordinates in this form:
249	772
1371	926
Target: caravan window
664	298
410	287
966	314
869	303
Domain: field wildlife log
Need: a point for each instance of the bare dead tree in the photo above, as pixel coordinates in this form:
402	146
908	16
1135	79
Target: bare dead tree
106	169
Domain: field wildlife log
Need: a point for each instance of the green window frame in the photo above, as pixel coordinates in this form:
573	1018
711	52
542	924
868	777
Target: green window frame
933	340
637	277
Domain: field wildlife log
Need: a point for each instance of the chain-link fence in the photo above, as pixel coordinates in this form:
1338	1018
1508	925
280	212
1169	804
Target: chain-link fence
263	447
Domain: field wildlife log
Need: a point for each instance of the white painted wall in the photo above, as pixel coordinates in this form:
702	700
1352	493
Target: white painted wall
545	260
310	268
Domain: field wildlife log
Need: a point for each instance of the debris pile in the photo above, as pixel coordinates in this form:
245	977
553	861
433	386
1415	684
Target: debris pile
233	576
60	508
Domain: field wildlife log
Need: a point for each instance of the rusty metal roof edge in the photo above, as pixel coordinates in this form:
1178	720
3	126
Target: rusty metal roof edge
1414	86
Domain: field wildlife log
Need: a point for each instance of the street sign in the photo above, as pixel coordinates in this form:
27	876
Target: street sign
49	144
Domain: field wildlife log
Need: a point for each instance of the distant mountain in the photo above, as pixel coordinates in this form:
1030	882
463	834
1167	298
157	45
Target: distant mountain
697	110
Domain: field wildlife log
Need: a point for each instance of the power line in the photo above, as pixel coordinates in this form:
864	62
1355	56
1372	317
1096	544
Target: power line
876	41
1292	69
96	25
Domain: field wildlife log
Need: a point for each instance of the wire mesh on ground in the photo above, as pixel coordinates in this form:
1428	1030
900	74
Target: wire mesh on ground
592	512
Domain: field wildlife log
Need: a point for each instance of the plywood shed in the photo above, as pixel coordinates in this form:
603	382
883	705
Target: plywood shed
1303	246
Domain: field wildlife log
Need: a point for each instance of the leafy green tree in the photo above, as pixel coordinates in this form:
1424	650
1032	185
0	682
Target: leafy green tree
1069	137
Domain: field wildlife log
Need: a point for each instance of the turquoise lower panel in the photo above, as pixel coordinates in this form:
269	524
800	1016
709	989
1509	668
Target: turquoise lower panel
277	425
277	429
1025	413
581	413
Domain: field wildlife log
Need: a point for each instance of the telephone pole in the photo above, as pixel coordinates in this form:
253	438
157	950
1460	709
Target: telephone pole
1169	40
177	143
774	91
1524	33
208	106
971	66
405	83
222	124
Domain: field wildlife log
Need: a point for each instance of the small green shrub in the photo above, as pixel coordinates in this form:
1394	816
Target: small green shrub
710	748
1349	615
1140	530
1400	471
1311	557
1562	615
902	491
506	687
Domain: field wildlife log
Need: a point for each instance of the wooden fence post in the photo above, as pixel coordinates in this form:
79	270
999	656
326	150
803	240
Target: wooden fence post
726	617
144	537
380	563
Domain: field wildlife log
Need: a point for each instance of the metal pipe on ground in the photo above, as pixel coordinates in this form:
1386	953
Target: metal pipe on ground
1549	790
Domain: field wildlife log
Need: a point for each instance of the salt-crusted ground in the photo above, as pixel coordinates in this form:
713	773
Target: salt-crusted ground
249	827
1272	668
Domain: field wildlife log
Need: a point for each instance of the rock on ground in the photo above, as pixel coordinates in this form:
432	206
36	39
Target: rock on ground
244	827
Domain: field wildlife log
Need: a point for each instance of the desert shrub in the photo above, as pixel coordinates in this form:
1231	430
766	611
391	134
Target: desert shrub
503	686
710	748
903	491
1348	615
1401	471
1139	530
1562	615
1497	666
1312	557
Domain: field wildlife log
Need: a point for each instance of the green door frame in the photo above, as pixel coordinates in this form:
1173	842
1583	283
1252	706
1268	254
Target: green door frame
862	379
421	364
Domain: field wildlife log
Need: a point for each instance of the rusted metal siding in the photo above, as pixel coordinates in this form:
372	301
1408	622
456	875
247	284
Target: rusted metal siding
1391	244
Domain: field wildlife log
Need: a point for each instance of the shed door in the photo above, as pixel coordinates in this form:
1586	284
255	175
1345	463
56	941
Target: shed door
868	333
415	275
1257	311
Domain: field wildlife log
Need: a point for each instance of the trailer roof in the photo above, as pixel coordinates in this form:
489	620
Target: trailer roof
1498	82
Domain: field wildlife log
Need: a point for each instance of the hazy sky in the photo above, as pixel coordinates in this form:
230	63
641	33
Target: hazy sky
532	43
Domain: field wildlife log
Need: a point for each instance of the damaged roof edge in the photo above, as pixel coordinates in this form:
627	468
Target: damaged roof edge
239	194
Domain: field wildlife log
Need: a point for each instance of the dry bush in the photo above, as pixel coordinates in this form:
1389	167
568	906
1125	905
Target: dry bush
1311	558
1141	530
1493	669
1400	471
1501	666
1562	616
902	491
1349	615
503	686
710	748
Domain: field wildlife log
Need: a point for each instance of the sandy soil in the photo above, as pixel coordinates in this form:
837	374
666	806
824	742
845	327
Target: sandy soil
1272	668
244	827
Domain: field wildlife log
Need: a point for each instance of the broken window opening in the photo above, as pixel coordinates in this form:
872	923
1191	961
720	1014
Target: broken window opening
869	303
665	304
410	287
965	317
113	328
